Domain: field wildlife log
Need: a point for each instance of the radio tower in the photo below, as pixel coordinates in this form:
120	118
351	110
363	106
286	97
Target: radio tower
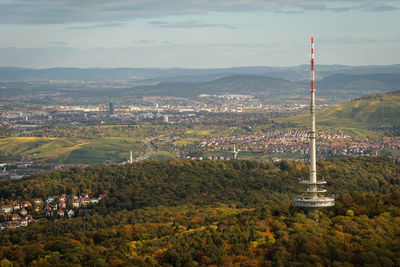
312	197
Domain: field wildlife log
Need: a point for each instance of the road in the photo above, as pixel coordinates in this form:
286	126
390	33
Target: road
148	154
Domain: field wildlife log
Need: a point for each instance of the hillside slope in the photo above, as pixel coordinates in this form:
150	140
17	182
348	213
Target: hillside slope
358	116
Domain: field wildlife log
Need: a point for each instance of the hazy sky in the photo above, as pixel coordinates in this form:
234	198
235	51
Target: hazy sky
197	33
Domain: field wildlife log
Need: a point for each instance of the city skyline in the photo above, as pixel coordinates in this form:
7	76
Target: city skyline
196	34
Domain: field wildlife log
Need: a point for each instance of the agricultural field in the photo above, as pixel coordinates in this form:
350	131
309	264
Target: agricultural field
71	150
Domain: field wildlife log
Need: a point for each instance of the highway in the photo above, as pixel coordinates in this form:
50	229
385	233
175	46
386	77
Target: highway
148	154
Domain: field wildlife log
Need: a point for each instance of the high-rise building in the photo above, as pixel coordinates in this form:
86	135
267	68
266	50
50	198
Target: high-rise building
111	110
313	195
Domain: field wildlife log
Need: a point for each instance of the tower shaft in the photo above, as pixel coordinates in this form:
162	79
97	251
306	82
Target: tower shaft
313	157
312	197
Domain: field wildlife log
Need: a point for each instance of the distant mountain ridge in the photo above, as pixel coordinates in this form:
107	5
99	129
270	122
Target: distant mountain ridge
235	84
337	86
333	88
294	73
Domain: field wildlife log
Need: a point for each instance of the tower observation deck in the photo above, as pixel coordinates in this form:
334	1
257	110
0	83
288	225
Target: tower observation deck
312	197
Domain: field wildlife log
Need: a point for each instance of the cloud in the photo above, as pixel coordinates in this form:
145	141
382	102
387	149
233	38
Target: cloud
103	25
378	7
105	11
57	44
346	40
369	6
189	24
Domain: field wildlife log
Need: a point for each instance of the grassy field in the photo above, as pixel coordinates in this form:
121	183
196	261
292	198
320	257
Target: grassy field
159	155
72	151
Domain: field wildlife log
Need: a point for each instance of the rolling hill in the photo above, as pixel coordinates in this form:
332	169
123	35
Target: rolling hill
236	84
359	116
336	88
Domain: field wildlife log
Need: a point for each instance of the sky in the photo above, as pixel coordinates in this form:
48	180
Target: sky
197	33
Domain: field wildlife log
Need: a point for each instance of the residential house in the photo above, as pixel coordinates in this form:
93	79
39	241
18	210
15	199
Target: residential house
17	207
37	201
7	208
49	199
94	200
60	213
13	224
70	213
15	217
29	217
62	204
76	203
24	222
27	204
63	197
85	201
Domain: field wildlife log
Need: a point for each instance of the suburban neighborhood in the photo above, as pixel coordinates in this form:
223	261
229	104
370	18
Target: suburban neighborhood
59	208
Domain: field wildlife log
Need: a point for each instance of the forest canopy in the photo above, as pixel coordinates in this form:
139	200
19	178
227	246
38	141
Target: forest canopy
187	213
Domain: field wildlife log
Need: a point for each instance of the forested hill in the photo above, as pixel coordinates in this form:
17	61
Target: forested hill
337	86
202	213
176	182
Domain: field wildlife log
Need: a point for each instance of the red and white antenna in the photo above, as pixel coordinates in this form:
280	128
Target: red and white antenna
313	197
312	65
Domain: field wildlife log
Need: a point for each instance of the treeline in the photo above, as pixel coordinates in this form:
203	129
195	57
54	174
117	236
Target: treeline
176	182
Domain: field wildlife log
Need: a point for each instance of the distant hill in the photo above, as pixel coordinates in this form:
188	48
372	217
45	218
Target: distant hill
372	110
236	84
336	88
295	73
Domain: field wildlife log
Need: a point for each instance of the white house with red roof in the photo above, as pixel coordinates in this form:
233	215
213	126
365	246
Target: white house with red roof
27	204
15	217
7	208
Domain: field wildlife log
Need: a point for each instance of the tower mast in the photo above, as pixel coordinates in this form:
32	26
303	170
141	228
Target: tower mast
313	160
312	197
